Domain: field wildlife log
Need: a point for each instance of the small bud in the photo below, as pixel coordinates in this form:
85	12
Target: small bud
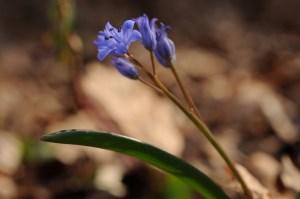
125	67
147	30
165	48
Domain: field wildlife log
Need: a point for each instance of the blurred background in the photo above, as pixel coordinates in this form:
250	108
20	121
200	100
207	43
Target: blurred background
239	59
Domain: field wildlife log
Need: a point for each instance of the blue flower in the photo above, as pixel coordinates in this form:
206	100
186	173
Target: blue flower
125	67
147	29
116	42
165	48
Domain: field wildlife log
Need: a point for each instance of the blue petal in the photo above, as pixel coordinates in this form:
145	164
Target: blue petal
160	59
153	24
147	30
121	49
127	28
135	36
128	25
103	52
143	23
110	43
165	49
109	28
111	31
100	41
125	67
173	51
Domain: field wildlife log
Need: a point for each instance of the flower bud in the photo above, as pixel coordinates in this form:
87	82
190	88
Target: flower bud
165	48
125	67
147	30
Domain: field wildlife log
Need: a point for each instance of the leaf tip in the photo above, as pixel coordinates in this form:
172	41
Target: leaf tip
46	138
51	137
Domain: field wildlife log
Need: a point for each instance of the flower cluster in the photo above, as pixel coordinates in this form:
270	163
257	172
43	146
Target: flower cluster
116	42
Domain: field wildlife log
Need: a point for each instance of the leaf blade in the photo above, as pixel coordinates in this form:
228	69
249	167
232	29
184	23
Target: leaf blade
145	152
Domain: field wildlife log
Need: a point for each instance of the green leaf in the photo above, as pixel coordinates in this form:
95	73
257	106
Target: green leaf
145	152
176	189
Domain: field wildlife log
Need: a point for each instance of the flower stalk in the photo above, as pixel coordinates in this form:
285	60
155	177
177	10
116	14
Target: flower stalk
152	63
200	125
149	85
186	95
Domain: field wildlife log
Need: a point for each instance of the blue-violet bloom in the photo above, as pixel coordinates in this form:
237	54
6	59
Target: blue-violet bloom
125	67
165	48
147	29
116	42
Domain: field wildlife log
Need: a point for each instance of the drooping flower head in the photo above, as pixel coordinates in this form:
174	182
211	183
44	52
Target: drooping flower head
147	30
116	42
165	48
125	67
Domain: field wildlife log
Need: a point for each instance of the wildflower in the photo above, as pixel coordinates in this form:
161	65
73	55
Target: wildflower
116	42
147	30
125	67
165	48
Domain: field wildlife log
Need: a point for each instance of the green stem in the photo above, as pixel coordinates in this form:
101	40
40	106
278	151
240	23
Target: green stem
149	85
200	125
208	134
152	63
140	65
186	95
